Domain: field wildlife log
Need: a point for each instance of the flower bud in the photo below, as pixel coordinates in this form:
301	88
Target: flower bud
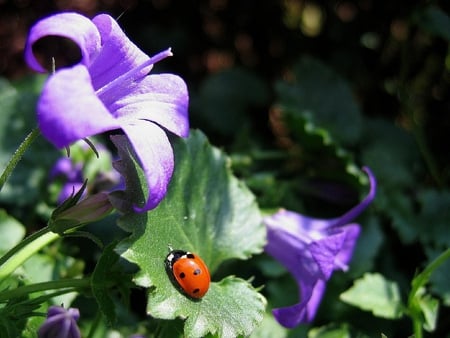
88	210
60	323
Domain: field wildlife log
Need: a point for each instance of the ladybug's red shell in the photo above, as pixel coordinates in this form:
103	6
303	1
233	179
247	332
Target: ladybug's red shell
188	272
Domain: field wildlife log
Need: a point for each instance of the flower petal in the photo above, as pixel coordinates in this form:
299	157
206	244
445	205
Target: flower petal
69	110
335	250
161	98
345	254
118	54
155	155
305	310
73	26
358	209
324	251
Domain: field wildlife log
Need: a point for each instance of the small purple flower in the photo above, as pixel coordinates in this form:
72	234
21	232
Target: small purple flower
72	175
108	90
60	323
311	249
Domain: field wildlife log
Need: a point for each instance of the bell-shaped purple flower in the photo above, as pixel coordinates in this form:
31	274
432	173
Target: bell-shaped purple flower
311	249
60	323
110	89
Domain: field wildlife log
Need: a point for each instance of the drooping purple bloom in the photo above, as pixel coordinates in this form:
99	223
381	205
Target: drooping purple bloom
60	323
311	249
109	89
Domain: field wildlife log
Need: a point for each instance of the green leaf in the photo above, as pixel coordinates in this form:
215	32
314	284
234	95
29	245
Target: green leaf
334	331
230	308
209	212
317	149
367	247
270	328
320	94
11	231
440	277
434	218
17	119
374	293
391	153
225	98
100	281
429	306
434	20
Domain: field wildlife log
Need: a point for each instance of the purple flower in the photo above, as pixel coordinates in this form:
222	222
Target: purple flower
311	249
72	175
109	89
60	323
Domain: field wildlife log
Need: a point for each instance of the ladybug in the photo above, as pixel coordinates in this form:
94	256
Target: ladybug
188	273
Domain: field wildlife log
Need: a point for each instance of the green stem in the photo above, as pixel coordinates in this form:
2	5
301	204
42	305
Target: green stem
422	278
95	324
70	284
24	250
417	327
18	155
418	282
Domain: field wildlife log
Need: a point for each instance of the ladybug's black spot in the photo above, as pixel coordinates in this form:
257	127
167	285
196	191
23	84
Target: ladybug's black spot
190	255
182	275
197	272
196	291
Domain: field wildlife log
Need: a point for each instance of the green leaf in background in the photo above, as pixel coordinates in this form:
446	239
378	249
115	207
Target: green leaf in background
209	212
318	148
11	231
226	98
17	119
321	95
439	280
434	20
434	217
367	247
374	293
270	328
334	331
391	153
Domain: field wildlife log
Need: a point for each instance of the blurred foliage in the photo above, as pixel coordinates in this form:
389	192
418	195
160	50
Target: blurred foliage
300	94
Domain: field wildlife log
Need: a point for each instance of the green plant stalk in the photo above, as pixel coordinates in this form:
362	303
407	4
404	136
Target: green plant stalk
24	250
70	284
422	278
18	154
95	324
418	282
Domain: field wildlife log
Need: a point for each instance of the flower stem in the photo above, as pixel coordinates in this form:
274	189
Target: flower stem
18	155
24	250
422	278
417	283
70	284
95	324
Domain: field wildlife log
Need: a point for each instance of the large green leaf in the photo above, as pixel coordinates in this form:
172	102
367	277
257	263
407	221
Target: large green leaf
209	212
374	293
324	97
